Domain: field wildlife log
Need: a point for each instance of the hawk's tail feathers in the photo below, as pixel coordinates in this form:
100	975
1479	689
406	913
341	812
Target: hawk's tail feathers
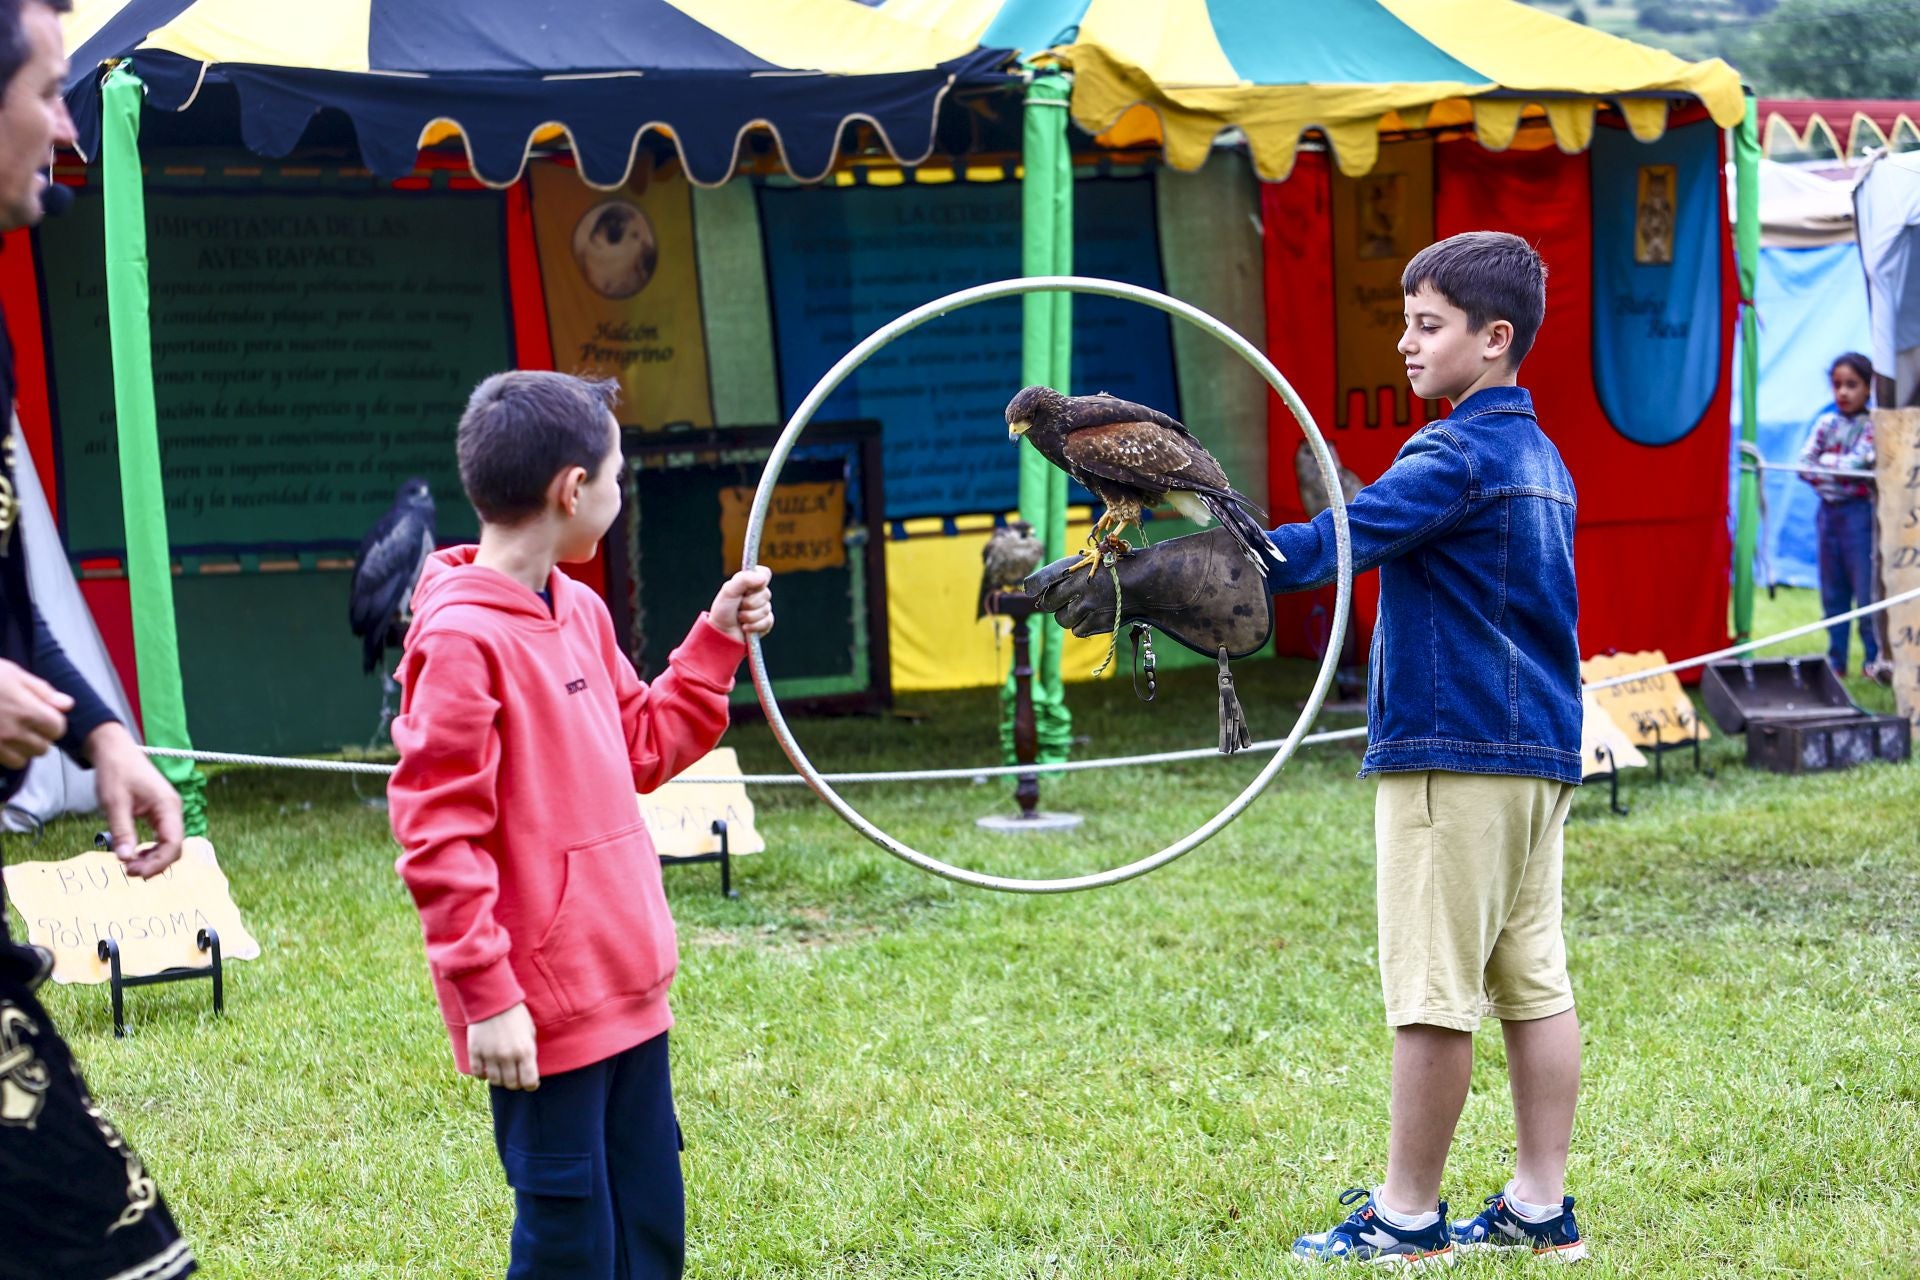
1251	536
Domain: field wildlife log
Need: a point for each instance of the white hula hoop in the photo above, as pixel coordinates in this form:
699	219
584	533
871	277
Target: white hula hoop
1343	545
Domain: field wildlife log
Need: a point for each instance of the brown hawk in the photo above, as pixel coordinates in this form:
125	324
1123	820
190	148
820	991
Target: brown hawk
1132	457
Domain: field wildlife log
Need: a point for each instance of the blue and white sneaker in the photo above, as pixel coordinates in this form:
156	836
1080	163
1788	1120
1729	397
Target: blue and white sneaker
1367	1237
1498	1227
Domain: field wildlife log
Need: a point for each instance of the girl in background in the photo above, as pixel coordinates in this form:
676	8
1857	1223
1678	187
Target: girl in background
1842	440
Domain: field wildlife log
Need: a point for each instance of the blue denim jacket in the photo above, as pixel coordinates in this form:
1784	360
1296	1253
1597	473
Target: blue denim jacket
1475	667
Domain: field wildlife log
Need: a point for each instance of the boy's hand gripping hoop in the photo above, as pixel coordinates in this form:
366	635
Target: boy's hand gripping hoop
1343	547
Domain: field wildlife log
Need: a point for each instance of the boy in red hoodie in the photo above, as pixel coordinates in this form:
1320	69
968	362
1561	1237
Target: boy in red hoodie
523	735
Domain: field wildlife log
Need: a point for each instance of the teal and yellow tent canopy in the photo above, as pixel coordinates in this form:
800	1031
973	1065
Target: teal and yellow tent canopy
505	74
1176	74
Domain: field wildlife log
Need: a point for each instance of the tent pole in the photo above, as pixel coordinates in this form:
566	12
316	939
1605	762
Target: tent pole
163	710
1046	352
1746	239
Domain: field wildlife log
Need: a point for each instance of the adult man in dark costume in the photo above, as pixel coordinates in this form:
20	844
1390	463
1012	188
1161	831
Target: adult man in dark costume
76	1202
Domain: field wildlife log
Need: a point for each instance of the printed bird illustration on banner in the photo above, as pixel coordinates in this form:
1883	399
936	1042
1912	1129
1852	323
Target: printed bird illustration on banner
622	289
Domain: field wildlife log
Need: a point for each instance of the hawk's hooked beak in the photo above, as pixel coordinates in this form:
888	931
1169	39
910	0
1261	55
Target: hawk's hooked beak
1017	429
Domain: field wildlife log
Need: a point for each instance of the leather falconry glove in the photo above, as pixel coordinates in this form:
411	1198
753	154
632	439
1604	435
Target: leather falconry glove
1200	589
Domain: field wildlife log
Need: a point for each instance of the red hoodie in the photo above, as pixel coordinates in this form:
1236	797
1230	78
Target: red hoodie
523	736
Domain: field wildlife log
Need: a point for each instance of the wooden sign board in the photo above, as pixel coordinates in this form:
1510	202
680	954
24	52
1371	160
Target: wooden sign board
1896	435
1604	745
1654	711
680	815
70	906
806	526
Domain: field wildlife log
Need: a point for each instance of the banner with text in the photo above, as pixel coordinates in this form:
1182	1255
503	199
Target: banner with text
844	261
1657	231
622	289
311	350
1380	220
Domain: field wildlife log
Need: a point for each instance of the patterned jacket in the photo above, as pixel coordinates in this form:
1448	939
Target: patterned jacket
1839	443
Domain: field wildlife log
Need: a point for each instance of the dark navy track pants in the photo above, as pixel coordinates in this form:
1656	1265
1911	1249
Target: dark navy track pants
593	1157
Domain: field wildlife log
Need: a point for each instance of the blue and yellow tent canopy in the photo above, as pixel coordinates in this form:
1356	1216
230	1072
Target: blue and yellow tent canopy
1171	74
1177	73
504	74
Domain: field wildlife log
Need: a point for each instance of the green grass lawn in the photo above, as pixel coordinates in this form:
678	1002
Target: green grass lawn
882	1074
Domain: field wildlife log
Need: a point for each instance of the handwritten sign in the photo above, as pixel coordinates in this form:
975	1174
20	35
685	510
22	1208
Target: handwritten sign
806	526
1653	711
70	906
1896	434
1604	745
680	815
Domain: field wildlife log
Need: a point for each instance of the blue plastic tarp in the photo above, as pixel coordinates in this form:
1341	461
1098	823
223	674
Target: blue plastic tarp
1812	306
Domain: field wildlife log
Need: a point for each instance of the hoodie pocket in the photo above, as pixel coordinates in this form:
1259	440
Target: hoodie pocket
612	937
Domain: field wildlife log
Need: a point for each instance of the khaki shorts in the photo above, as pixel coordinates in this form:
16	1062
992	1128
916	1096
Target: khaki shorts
1469	898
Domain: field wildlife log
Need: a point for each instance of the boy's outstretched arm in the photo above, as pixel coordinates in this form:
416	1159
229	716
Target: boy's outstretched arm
441	802
679	717
1423	494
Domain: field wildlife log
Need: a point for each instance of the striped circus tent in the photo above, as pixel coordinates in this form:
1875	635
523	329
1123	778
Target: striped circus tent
1177	73
1176	77
505	74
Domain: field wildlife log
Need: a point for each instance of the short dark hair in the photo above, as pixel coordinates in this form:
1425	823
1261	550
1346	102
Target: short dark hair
521	429
1853	360
13	41
1491	276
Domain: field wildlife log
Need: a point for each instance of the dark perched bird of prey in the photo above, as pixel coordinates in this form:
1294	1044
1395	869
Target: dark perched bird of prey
1313	485
1012	552
1132	457
391	557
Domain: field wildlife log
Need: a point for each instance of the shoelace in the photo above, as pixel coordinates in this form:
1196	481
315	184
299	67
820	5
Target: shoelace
1354	1196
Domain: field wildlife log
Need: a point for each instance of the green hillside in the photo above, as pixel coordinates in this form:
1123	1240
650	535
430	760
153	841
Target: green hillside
1784	48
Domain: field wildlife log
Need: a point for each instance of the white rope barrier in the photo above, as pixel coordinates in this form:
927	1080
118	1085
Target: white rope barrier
1065	766
272	762
1731	650
1844	473
794	779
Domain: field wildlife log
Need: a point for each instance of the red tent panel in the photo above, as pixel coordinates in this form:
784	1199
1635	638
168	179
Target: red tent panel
1652	544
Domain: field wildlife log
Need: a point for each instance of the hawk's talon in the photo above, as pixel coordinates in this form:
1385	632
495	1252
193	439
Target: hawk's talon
1089	556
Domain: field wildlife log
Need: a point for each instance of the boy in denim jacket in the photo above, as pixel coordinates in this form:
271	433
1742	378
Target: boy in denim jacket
1473	723
1473	726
